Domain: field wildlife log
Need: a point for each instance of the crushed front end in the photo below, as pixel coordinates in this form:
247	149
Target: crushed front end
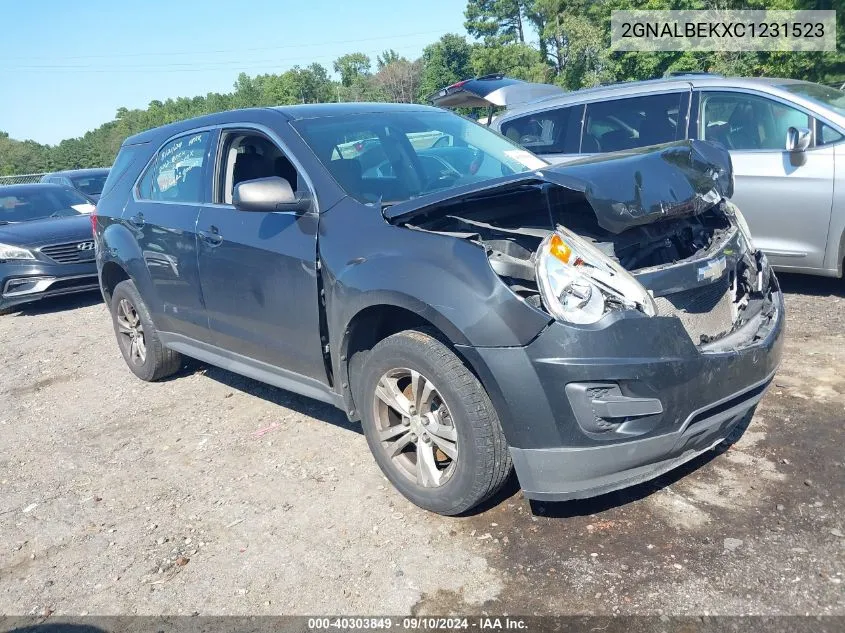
666	325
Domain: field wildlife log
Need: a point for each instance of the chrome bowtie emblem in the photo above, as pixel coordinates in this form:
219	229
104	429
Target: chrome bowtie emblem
713	269
85	246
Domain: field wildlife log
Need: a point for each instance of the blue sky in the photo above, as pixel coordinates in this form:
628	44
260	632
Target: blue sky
65	67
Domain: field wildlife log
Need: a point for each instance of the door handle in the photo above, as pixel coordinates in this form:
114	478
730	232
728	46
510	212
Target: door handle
137	220
212	237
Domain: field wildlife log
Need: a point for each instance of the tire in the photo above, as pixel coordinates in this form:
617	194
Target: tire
414	367
148	359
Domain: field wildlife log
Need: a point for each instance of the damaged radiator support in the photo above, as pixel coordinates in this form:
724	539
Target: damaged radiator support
705	312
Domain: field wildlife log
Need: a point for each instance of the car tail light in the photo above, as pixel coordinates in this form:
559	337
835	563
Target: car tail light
94	222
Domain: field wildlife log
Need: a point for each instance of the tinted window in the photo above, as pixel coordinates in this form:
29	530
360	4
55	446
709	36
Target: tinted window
91	185
395	156
125	157
747	122
550	132
176	174
827	135
23	205
611	126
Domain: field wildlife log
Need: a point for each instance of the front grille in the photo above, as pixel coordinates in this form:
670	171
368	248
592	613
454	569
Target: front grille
70	253
703	311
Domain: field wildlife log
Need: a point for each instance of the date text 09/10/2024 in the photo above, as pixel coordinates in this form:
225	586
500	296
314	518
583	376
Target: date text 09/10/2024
419	623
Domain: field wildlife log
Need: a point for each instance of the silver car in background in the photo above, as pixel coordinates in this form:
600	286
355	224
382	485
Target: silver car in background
786	139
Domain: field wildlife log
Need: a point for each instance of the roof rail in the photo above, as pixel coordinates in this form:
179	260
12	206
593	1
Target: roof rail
691	73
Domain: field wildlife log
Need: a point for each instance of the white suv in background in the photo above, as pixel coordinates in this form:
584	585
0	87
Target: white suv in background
785	138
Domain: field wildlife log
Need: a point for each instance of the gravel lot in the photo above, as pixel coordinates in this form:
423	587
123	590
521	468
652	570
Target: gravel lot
215	494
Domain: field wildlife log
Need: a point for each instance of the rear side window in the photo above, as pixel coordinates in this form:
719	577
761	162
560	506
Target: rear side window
176	174
550	132
612	126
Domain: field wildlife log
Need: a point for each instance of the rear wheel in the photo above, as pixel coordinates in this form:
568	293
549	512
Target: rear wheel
137	337
430	424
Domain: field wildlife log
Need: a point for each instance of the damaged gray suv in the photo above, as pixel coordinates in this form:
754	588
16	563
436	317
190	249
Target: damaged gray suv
591	325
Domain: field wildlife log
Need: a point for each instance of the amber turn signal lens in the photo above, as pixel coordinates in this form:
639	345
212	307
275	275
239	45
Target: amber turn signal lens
560	249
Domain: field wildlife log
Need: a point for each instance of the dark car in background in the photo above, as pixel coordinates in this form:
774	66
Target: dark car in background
45	243
88	181
591	325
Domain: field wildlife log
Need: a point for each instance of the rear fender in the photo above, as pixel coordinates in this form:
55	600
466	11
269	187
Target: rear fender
120	246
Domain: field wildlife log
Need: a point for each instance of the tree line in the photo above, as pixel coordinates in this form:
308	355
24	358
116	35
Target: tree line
566	42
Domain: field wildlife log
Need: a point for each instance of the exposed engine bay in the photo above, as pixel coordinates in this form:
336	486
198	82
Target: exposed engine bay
577	254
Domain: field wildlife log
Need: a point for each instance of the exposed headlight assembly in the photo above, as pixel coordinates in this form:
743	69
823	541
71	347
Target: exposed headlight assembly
7	251
733	212
580	284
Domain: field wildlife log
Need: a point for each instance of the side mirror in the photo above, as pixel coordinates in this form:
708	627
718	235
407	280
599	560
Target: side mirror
798	139
267	195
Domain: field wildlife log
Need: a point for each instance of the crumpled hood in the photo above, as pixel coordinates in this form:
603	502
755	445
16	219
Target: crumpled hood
625	189
48	231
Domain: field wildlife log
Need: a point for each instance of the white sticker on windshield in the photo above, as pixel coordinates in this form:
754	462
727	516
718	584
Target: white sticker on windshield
525	158
85	207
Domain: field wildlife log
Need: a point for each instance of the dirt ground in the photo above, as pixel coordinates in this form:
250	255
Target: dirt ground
214	494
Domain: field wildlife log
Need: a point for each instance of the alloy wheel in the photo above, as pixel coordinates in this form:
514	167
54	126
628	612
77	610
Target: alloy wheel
415	427
131	332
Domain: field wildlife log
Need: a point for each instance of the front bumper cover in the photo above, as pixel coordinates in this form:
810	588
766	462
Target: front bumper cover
635	362
31	280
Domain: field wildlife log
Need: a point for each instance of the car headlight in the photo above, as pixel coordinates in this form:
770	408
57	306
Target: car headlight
741	223
580	284
7	251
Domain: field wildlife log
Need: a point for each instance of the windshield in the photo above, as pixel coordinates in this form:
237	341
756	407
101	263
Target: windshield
91	185
39	203
396	156
823	95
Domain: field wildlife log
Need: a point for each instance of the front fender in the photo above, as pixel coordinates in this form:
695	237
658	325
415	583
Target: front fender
469	314
445	280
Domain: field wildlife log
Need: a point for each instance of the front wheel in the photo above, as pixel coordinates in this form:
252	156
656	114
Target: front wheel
430	424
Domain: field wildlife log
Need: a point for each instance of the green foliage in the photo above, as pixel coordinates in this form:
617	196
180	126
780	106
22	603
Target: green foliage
399	81
352	66
515	60
497	21
445	62
386	58
18	157
562	41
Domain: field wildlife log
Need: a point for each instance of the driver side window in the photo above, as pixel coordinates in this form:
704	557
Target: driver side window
747	122
248	155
